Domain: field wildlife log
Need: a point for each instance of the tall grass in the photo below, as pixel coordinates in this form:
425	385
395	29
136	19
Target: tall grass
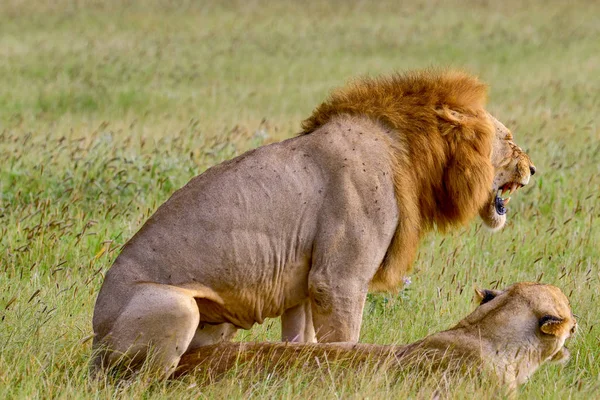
107	107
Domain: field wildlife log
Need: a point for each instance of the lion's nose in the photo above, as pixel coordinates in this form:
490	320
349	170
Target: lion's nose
532	170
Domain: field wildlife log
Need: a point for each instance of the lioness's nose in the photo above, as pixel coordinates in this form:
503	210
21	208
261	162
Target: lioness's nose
532	170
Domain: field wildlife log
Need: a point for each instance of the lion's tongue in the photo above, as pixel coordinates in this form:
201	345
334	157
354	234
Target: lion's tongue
499	203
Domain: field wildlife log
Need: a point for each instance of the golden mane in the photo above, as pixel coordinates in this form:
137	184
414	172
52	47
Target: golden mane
399	96
441	144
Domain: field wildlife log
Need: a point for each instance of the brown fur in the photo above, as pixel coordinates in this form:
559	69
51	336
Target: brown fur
509	335
441	151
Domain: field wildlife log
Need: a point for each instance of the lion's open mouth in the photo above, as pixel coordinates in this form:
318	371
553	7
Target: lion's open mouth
501	201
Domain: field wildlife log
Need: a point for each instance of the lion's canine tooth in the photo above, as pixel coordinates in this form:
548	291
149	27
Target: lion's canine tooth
506	201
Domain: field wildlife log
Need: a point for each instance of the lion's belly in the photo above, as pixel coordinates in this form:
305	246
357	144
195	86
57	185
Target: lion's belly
250	299
259	266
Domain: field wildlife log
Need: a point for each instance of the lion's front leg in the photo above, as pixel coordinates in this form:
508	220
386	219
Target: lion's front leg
297	324
345	258
356	225
337	305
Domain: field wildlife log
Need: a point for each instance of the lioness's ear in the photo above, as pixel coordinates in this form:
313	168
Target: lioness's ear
484	295
551	325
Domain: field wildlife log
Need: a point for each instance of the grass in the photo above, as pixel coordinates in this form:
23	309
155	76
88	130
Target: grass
107	107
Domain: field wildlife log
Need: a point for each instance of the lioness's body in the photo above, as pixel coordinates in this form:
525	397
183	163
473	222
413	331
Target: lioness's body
302	228
509	335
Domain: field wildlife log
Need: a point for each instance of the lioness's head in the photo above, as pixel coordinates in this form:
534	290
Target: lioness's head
512	170
540	315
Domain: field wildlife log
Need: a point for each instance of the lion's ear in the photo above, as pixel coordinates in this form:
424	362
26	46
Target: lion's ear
450	115
482	296
552	325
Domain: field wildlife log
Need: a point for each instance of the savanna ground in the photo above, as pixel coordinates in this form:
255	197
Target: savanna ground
106	107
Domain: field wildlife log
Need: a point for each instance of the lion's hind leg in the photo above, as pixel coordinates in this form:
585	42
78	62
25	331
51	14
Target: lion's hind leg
156	325
209	334
297	324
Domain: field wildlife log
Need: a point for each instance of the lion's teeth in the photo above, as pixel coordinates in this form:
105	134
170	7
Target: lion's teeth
513	187
506	201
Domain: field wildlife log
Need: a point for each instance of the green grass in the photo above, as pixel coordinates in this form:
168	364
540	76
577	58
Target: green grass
107	107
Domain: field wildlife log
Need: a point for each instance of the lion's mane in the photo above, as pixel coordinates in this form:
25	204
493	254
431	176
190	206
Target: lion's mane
441	142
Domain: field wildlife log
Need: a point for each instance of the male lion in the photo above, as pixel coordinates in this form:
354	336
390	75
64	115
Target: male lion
301	229
510	334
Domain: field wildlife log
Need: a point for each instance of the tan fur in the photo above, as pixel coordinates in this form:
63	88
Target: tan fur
440	146
510	335
303	228
432	143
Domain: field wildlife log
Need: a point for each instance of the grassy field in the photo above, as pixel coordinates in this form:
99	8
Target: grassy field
107	107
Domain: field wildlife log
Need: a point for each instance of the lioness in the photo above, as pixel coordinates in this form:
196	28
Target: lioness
510	334
303	228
